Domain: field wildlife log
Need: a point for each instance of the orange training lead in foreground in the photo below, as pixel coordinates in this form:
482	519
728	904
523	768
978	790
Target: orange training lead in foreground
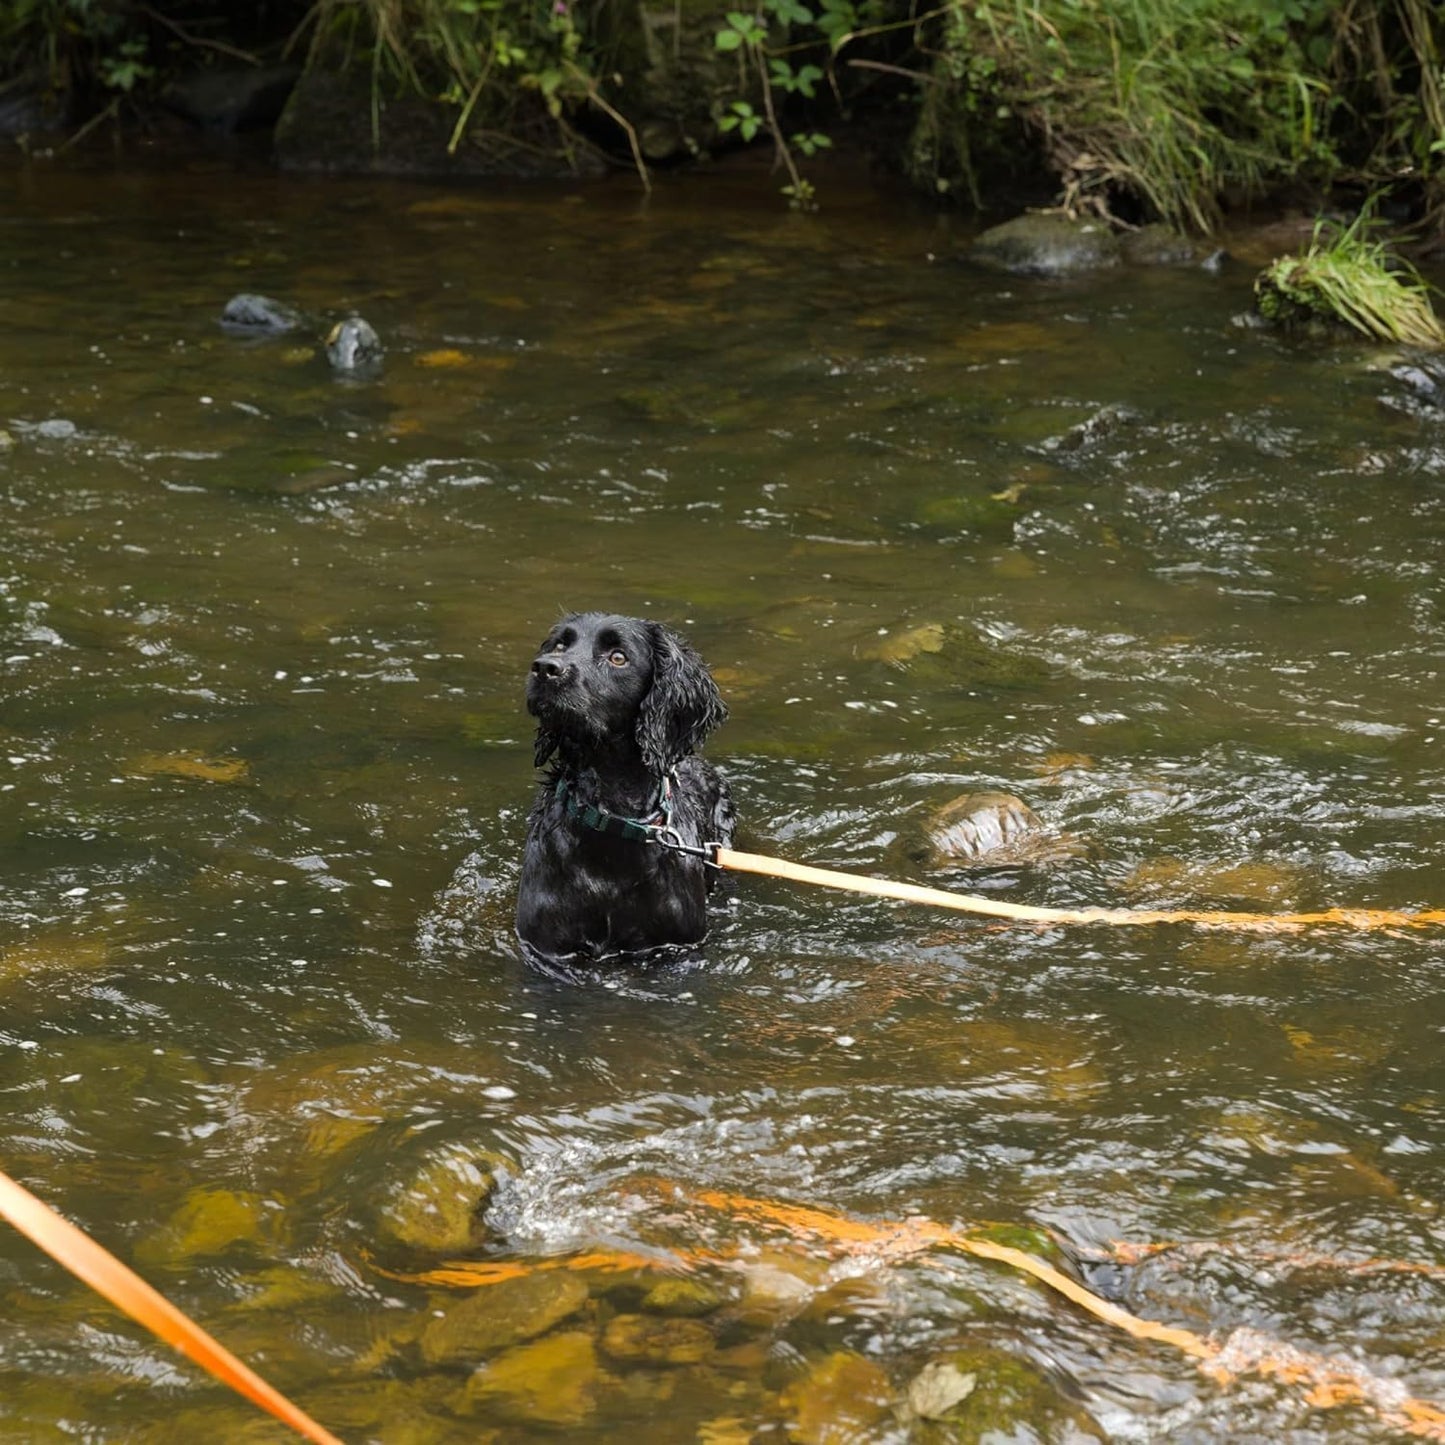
125	1289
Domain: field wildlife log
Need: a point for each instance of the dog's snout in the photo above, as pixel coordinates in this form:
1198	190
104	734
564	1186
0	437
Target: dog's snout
548	667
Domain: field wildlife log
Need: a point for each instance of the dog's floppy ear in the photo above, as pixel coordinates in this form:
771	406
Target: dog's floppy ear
682	706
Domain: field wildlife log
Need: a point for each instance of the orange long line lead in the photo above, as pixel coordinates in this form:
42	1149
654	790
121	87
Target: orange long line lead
1027	913
104	1273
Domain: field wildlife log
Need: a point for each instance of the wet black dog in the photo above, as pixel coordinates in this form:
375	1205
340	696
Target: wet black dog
622	705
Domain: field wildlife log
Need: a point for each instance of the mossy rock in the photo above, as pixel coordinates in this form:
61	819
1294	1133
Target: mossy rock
501	1315
997	1397
552	1382
681	1298
986	515
1297	314
1047	243
210	1222
439	1209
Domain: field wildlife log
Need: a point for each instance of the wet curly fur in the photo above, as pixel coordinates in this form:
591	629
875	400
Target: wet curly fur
620	703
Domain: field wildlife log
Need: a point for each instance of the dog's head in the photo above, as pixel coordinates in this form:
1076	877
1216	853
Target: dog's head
605	684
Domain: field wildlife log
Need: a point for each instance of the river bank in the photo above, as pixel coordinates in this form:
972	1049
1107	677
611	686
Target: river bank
1166	111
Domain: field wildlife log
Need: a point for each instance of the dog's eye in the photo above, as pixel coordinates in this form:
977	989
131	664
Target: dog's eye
559	647
617	657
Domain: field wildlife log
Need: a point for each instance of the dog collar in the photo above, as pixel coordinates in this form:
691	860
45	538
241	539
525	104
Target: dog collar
639	830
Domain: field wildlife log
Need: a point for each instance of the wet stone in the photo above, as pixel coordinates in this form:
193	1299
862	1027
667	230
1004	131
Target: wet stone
681	1298
209	1222
259	315
550	1382
439	1209
500	1315
655	1340
840	1400
978	823
1160	245
353	345
899	648
1046	244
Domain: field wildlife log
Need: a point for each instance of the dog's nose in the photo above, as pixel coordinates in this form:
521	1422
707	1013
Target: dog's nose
548	667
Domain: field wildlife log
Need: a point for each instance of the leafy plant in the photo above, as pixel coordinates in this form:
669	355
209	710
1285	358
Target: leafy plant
777	74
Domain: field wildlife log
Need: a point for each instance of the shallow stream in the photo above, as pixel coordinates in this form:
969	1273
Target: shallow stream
264	772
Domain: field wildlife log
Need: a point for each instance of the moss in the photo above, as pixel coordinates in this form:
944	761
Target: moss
1346	283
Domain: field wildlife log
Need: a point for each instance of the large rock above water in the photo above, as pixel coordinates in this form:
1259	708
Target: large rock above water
1047	243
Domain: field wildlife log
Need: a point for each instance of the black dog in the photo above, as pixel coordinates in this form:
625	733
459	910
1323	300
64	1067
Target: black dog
621	706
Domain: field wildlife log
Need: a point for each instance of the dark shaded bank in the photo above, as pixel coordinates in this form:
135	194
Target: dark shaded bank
1168	110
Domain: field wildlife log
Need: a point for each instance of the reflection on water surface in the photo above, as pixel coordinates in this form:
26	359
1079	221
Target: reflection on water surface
262	1020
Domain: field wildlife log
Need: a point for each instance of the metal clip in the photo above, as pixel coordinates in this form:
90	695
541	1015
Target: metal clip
669	838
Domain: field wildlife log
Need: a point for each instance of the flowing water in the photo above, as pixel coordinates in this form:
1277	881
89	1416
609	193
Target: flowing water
264	772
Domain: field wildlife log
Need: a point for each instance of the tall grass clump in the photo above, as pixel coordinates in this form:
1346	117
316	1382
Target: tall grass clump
1153	104
1345	278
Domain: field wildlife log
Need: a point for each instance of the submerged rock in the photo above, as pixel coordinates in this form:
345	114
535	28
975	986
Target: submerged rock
1047	243
681	1298
352	345
975	825
900	648
843	1398
439	1209
1098	427
208	1222
552	1382
260	315
500	1315
655	1340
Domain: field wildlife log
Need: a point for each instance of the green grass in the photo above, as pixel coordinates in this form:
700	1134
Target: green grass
1349	279
1167	102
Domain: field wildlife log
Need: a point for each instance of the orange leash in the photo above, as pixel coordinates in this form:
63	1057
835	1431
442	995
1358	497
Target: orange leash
1323	1382
125	1289
1023	912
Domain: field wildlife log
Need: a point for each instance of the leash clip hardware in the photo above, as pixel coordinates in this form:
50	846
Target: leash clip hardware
668	837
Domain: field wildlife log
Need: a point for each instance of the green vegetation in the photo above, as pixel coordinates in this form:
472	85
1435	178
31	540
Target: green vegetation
518	66
1344	278
1141	109
1159	105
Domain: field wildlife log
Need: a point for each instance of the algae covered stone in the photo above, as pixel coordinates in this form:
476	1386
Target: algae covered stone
209	1222
550	1382
681	1298
1047	243
499	1315
439	1209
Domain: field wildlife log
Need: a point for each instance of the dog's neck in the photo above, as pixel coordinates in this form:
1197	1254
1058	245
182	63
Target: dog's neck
615	779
